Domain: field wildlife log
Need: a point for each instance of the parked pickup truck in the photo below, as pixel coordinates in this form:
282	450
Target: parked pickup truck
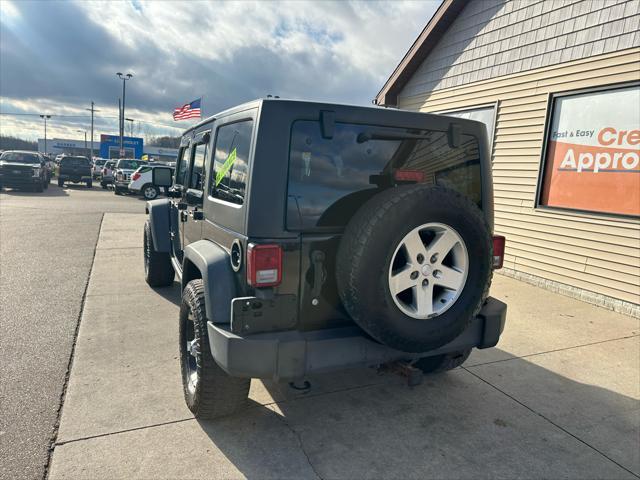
23	169
75	170
122	174
309	237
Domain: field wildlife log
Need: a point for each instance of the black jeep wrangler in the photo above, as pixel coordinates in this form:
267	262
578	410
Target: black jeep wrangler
309	237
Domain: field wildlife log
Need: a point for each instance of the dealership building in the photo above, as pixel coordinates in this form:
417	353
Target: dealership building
107	147
557	84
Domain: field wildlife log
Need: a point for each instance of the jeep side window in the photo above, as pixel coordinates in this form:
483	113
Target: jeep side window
182	166
229	176
197	169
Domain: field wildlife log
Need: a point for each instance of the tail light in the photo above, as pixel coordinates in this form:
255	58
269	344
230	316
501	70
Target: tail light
135	176
409	176
264	265
498	251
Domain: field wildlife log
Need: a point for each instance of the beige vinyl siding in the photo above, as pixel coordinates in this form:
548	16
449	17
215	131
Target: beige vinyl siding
598	253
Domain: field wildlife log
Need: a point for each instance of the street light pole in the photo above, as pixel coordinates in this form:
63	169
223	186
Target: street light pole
85	139
92	110
124	79
45	131
130	120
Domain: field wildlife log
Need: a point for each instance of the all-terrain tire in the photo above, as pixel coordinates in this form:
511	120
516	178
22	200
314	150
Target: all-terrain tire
158	271
215	393
367	249
442	363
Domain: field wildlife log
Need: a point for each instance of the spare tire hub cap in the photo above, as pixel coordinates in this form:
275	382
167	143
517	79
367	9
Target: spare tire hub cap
428	270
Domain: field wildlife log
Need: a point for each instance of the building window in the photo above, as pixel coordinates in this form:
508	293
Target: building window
486	115
592	157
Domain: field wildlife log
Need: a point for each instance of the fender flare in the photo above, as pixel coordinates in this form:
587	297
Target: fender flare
159	222
217	276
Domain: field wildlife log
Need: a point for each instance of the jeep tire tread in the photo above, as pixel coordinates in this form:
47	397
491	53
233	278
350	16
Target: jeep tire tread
442	363
216	393
158	271
367	248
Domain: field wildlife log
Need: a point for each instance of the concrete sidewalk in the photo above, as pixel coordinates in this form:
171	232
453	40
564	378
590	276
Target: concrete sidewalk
559	397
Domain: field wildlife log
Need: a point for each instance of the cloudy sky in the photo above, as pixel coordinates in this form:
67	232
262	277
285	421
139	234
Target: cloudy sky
56	57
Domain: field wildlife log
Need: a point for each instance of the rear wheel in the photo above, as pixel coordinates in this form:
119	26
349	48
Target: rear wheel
60	183
89	184
208	390
158	271
39	187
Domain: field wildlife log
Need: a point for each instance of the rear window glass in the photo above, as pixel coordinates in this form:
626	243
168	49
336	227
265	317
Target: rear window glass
130	164
19	157
74	162
329	179
99	162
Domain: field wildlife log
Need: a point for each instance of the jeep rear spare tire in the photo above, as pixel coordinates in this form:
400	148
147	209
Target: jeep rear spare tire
414	266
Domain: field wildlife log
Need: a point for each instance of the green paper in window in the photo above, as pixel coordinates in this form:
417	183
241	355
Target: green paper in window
225	166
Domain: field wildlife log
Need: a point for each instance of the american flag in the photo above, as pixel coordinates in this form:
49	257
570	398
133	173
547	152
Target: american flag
190	110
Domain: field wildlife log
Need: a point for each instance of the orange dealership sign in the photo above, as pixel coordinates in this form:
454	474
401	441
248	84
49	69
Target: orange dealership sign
591	164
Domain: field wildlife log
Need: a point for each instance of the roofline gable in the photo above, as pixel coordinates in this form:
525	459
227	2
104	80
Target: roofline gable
428	38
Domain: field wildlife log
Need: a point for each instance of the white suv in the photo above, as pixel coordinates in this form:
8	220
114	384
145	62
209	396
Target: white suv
142	181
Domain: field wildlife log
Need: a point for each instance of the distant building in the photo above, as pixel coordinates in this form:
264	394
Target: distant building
161	154
557	83
57	146
108	147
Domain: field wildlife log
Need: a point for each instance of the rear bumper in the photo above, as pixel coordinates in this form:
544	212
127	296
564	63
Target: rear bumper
294	354
75	178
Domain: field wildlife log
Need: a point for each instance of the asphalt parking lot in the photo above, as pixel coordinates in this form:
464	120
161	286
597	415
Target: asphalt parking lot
47	245
558	397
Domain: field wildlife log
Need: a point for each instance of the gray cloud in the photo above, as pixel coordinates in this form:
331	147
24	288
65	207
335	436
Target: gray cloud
63	54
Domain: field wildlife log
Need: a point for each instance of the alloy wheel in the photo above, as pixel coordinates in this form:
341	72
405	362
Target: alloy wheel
428	270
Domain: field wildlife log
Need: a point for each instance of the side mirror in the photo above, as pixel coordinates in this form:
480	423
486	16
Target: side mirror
162	177
194	197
